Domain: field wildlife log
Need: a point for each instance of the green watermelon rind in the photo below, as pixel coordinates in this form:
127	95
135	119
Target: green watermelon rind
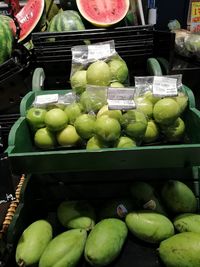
67	20
6	43
10	39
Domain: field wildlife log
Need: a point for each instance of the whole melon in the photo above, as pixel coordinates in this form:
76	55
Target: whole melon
6	38
68	20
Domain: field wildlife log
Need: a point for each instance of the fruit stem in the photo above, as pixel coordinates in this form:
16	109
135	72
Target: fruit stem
21	263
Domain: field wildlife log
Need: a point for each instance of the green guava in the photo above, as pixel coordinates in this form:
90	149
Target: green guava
92	102
116	84
152	132
78	81
95	143
166	111
182	100
44	139
68	136
134	123
125	142
145	105
56	119
115	114
175	131
149	95
107	129
119	70
85	125
98	73
73	110
35	117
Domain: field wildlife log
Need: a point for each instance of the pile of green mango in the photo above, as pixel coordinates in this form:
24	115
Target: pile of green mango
167	219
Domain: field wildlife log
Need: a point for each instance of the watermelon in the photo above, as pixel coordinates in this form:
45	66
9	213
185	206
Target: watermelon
6	38
103	13
68	20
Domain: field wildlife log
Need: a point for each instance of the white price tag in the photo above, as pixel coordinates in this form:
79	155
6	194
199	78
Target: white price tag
46	99
98	51
164	86
121	99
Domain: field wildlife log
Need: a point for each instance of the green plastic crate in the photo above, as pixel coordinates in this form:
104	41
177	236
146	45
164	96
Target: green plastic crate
25	158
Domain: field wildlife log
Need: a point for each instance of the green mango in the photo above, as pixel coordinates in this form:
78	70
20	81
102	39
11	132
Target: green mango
105	242
32	243
76	214
181	250
149	226
145	197
64	250
116	208
187	222
178	197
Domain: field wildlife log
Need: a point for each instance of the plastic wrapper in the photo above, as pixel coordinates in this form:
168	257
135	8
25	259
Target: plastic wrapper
187	44
163	101
97	64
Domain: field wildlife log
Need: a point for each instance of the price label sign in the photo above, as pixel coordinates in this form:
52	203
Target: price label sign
195	17
164	86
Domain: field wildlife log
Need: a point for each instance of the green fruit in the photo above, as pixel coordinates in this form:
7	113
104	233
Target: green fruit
134	123
149	226
166	111
144	105
95	143
178	197
107	129
182	100
92	102
98	73
68	136
76	214
33	242
115	114
149	96
73	110
105	242
56	119
6	38
119	70
35	117
152	132
116	208
79	81
68	20
125	142
187	222
44	139
65	250
181	250
85	125
144	196
116	84
175	131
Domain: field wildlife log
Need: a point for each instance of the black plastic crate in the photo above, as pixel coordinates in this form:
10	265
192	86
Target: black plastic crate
6	122
52	51
41	195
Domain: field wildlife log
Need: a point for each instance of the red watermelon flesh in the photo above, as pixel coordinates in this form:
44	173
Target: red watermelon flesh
103	13
29	16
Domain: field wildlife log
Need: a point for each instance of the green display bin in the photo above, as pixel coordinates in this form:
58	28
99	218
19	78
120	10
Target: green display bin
26	158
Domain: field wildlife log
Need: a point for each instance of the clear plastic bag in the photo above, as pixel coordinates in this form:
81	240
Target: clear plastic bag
97	64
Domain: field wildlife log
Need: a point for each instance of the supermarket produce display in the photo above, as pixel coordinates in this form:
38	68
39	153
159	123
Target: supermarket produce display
107	140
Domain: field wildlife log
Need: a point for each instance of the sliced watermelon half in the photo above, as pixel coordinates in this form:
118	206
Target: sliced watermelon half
103	13
29	16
